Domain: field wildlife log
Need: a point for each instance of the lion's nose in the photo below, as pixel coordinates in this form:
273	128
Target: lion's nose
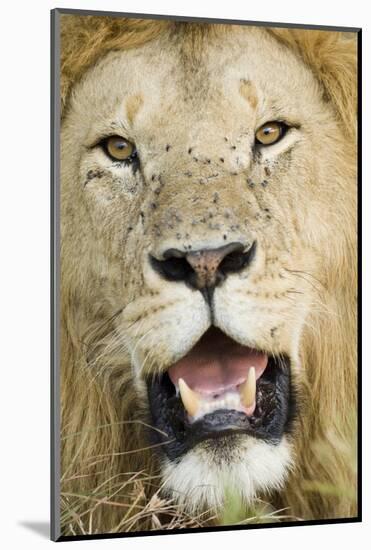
204	269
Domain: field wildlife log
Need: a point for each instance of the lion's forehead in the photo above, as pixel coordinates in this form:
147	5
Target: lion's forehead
235	78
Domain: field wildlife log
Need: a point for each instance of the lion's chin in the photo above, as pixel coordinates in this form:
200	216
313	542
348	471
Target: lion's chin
220	396
208	474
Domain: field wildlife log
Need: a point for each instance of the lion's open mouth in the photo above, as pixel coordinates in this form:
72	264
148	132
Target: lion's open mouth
221	387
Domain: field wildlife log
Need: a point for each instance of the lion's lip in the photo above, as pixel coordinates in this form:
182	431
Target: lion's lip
224	395
269	417
217	364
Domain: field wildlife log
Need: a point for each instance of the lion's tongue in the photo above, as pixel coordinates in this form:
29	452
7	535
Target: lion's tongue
217	364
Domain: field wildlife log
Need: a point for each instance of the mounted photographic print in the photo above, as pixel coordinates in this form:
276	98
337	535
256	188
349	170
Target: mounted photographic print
205	200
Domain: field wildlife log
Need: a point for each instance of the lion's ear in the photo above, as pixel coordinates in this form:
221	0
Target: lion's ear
332	56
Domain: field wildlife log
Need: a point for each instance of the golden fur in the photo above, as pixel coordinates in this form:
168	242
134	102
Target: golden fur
101	432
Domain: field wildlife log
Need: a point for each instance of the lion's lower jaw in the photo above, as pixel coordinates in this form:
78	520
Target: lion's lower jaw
202	478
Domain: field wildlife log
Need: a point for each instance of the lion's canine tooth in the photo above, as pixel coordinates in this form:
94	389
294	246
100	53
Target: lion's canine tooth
248	389
191	399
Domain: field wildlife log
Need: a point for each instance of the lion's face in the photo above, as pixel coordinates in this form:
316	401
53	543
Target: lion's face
205	243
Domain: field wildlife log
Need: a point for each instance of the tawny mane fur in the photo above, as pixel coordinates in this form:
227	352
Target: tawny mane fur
101	434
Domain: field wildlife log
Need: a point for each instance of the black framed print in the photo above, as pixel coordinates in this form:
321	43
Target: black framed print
205	281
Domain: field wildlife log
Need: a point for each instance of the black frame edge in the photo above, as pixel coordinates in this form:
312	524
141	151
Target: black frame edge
335	521
359	271
194	19
55	531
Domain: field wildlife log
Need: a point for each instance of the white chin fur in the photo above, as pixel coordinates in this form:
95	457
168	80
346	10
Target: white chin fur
200	478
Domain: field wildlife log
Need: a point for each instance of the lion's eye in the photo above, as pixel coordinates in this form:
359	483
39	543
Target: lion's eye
270	132
119	148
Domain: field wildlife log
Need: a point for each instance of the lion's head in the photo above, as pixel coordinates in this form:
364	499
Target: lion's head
208	250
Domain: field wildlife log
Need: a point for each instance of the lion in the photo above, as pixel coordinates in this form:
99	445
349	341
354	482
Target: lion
208	272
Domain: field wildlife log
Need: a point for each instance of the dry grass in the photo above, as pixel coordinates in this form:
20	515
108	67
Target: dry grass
135	507
136	501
